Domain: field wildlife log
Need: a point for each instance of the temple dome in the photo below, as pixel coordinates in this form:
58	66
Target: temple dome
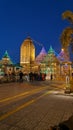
27	51
52	51
41	55
51	57
6	59
63	57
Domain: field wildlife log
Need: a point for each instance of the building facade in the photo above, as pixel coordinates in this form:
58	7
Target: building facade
27	54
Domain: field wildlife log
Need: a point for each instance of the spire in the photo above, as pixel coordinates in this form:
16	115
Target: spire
62	56
6	58
51	51
6	55
43	51
41	55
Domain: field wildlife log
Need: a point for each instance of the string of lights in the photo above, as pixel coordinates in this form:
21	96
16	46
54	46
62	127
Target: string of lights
40	44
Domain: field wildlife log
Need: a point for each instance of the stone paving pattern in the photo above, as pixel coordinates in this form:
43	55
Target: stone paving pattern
50	110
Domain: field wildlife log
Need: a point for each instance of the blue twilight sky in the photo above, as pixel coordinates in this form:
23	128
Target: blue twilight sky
41	19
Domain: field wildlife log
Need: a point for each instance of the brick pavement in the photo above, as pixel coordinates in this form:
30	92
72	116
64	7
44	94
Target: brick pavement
49	111
40	117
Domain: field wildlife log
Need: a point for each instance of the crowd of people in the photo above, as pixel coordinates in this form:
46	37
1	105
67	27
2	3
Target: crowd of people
23	77
32	76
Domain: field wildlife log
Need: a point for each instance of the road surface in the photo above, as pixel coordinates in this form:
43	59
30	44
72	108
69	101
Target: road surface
33	105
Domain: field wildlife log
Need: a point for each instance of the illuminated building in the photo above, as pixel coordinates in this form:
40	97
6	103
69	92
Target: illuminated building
65	63
50	63
7	66
6	63
6	58
27	54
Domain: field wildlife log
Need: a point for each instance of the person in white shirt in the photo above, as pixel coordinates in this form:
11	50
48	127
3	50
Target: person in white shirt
67	79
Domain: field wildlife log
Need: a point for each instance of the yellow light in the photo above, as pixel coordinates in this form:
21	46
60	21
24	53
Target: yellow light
62	49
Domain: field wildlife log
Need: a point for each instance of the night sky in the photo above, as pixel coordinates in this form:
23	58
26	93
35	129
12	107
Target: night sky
39	19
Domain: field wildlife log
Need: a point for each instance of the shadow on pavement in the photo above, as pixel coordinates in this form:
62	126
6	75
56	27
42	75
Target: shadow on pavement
65	125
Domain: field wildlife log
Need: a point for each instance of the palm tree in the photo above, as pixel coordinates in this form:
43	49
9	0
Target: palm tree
67	34
68	15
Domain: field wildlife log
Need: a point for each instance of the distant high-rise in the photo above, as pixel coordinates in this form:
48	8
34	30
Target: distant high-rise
27	52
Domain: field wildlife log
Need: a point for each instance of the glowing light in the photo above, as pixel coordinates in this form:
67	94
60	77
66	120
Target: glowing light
62	49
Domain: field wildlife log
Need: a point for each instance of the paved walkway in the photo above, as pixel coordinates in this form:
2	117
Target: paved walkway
48	111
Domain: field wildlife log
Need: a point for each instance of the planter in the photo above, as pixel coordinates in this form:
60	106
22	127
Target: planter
68	89
71	86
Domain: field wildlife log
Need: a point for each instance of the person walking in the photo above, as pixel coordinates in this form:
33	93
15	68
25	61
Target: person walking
67	79
21	76
51	76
